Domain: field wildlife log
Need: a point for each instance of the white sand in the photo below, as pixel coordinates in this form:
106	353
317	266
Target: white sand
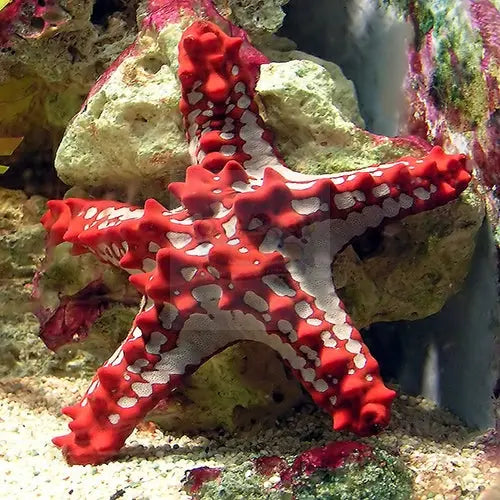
448	460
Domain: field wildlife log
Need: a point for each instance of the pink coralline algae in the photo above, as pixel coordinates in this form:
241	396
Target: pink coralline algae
73	318
332	456
163	12
453	83
246	256
328	457
196	478
30	19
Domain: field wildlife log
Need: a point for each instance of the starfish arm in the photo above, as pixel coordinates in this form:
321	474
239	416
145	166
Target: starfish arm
316	338
355	201
94	226
123	390
221	115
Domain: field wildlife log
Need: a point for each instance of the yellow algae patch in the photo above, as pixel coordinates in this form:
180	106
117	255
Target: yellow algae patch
16	96
4	3
7	146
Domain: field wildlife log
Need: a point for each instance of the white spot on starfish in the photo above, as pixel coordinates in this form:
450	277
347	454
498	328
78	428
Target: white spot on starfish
255	301
344	201
194	97
303	309
179	240
310	353
421	193
314	322
243	102
213	271
353	346
307	206
271	240
142	389
240	87
320	385
137	365
156	376
308	374
390	207
148	264
405	201
156	340
201	250
278	285
93	387
359	195
118	359
241	186
90	213
219	211
114	418
168	315
126	402
230	226
188	273
328	340
343	331
300	186
254	224
381	190
228	150
359	361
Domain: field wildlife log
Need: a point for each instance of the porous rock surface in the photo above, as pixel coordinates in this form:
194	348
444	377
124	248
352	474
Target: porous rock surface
22	242
21	249
130	138
258	18
44	78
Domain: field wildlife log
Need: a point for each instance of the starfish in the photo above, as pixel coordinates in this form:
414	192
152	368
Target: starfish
246	256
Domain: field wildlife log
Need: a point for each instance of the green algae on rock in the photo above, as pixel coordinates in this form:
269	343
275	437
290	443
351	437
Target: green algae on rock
338	91
44	80
252	387
379	475
258	17
21	250
22	241
129	137
431	251
301	104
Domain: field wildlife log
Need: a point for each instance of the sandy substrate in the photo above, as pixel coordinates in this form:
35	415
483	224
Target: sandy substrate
449	461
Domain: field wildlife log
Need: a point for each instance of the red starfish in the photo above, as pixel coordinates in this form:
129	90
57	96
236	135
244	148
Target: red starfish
247	256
